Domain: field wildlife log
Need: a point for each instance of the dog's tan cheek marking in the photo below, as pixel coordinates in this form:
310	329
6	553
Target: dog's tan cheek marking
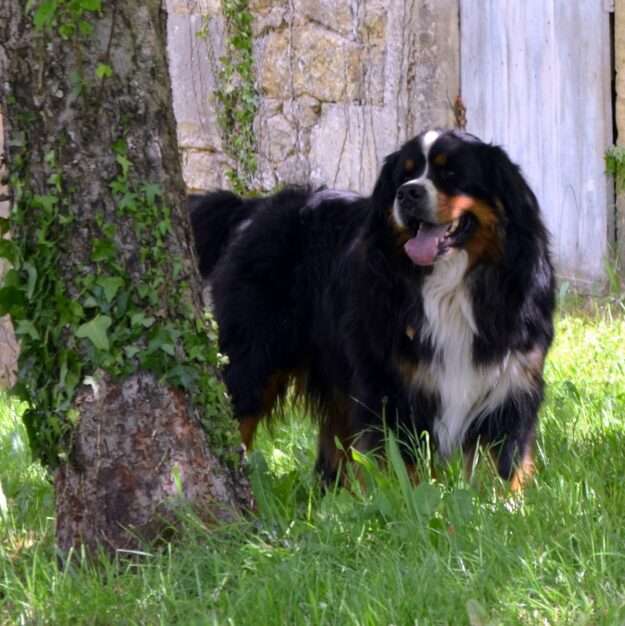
485	244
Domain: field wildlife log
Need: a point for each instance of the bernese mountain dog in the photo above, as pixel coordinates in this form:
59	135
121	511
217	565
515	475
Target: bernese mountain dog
425	307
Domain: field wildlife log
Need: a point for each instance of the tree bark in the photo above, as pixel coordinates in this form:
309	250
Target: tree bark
87	103
8	345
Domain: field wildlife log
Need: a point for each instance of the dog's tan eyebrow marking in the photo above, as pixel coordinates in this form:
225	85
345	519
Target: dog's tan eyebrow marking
440	159
409	165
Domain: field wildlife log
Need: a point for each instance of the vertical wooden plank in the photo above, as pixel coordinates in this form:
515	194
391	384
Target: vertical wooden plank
619	61
536	79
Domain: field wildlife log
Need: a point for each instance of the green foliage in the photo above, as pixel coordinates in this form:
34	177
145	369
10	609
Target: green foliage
68	17
103	71
615	165
442	552
106	319
237	96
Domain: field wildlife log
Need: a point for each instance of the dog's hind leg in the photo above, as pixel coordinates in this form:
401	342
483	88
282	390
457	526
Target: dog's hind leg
254	401
333	430
247	429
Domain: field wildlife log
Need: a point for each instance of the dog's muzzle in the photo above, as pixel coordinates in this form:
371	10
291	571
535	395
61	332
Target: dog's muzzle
414	201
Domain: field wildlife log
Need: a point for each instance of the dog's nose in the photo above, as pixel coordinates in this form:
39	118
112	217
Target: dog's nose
412	193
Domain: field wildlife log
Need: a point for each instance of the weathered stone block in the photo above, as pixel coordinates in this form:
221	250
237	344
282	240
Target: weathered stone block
333	15
278	139
312	61
203	170
273	19
262	6
303	112
194	7
294	170
194	62
348	145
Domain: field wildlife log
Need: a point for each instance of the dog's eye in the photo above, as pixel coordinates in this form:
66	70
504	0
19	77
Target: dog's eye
447	175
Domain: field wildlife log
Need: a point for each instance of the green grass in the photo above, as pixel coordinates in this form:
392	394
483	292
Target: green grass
442	553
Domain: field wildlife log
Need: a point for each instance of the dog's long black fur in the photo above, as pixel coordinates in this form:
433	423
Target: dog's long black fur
336	291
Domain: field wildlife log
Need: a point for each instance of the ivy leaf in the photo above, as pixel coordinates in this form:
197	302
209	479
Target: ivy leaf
32	279
140	319
95	331
124	164
46	203
90	5
8	251
151	191
182	376
110	285
44	15
85	28
163	339
10	299
67	30
131	351
12	279
4	226
26	327
104	71
128	202
103	250
120	146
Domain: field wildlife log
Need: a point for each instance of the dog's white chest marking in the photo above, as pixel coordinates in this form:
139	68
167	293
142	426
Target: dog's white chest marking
465	392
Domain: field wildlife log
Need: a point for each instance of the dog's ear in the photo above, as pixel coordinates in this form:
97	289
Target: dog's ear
385	187
526	238
510	187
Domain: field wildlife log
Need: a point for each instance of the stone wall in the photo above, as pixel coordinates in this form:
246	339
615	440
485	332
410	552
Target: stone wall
341	84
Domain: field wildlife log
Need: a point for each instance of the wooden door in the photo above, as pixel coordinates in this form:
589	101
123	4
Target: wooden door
535	78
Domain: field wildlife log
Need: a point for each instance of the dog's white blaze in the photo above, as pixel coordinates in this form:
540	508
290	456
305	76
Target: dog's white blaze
466	392
426	143
428	139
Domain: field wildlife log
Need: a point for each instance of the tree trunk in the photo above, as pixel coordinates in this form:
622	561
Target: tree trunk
8	346
105	297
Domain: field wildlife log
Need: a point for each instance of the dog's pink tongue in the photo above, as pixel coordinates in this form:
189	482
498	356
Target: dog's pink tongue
422	248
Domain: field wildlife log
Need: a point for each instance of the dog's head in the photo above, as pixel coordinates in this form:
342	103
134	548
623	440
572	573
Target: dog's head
446	190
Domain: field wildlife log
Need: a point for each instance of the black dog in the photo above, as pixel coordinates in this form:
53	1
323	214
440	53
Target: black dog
426	306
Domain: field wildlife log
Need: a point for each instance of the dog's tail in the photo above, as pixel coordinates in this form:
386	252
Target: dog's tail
214	219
